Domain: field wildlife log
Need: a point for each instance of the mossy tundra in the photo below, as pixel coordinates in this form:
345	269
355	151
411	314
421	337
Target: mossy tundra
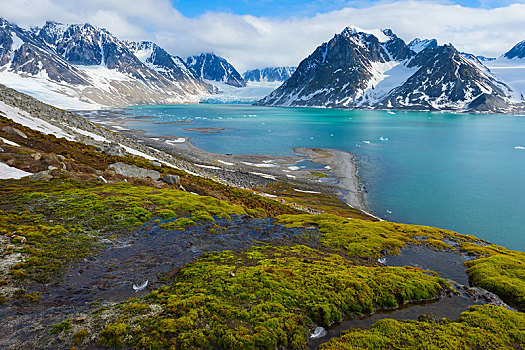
266	297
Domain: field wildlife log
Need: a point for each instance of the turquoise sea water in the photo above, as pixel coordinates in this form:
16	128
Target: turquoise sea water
457	171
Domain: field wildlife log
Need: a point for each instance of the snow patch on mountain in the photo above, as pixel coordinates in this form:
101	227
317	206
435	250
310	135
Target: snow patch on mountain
8	172
512	71
417	45
378	33
23	118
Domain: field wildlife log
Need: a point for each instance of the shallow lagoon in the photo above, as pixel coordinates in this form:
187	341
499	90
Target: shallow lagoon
462	172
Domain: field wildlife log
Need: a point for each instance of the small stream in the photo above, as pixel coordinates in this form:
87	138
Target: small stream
152	254
448	265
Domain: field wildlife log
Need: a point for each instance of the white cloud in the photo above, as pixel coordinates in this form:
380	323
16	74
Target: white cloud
249	41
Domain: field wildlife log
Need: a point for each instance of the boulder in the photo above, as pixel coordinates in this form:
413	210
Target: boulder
171	179
116	150
134	171
12	130
41	175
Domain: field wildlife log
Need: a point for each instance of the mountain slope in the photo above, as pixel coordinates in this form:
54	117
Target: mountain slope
170	67
339	73
81	66
269	74
378	70
510	67
211	67
517	52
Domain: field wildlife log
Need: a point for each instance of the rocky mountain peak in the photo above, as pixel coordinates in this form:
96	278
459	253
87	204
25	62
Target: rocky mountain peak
212	67
517	52
359	69
269	74
417	45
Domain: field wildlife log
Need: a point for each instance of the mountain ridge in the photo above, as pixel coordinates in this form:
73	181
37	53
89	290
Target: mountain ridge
356	69
83	66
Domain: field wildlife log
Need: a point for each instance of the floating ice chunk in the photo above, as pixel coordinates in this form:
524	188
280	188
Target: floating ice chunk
383	138
366	141
519	147
141	287
389	212
319	332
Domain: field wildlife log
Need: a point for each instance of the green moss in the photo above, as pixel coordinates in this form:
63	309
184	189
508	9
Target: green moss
79	336
166	214
267	297
61	327
178	224
499	270
481	327
113	335
31	297
366	238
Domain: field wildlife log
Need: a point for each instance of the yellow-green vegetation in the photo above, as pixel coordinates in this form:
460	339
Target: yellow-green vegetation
499	270
266	297
85	159
46	246
481	327
322	202
52	223
365	238
100	206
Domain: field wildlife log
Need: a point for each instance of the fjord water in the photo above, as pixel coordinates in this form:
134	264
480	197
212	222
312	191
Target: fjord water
462	172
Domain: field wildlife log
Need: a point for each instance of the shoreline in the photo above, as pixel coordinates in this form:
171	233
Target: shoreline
343	165
257	171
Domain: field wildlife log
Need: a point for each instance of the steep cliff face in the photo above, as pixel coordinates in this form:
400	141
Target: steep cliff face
269	74
212	67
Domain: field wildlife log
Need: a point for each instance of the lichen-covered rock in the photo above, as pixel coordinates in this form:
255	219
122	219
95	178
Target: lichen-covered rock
171	179
15	131
134	171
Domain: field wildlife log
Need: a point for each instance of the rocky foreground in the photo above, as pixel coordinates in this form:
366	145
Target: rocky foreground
112	244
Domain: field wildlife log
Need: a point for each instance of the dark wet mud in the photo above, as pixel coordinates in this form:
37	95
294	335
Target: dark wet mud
150	254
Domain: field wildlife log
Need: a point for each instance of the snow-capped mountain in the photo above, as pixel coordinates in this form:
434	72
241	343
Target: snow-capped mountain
517	52
169	66
269	74
376	69
81	66
417	45
510	67
485	59
211	67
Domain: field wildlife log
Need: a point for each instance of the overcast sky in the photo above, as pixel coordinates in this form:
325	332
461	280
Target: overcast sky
252	34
